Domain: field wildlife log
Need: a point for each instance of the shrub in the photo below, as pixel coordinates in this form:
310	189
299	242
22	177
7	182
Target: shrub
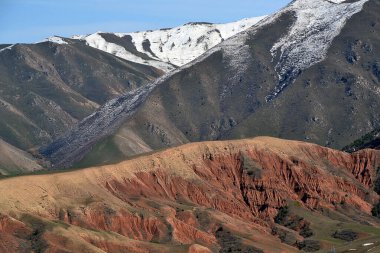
376	210
345	235
309	245
281	215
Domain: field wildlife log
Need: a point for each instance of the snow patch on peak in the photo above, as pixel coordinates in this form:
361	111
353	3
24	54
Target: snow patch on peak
317	23
6	48
181	45
337	1
230	29
168	48
57	40
97	41
79	37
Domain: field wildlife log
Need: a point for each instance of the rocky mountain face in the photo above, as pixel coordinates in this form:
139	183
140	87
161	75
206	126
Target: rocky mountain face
46	88
309	72
253	195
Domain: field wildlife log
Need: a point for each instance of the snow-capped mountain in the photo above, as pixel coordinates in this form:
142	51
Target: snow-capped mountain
306	43
48	86
309	72
166	49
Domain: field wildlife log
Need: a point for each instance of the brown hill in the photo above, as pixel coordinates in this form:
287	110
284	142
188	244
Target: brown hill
254	195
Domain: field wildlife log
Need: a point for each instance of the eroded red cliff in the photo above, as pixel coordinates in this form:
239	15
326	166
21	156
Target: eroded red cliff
191	198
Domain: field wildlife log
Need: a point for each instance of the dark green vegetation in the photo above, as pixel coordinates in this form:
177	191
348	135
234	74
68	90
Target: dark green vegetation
283	212
346	235
230	242
376	210
46	88
299	225
309	245
370	140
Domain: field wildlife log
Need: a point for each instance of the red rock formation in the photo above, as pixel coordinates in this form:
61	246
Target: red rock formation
229	185
174	197
195	248
133	226
13	234
187	234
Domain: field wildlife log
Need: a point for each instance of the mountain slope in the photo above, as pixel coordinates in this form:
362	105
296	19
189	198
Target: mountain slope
45	88
16	161
246	86
167	49
213	196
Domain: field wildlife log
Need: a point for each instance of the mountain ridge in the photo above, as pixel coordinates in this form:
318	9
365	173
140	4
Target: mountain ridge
87	77
235	78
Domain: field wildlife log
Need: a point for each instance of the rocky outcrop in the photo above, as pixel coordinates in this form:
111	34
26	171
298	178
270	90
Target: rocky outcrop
133	226
257	182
